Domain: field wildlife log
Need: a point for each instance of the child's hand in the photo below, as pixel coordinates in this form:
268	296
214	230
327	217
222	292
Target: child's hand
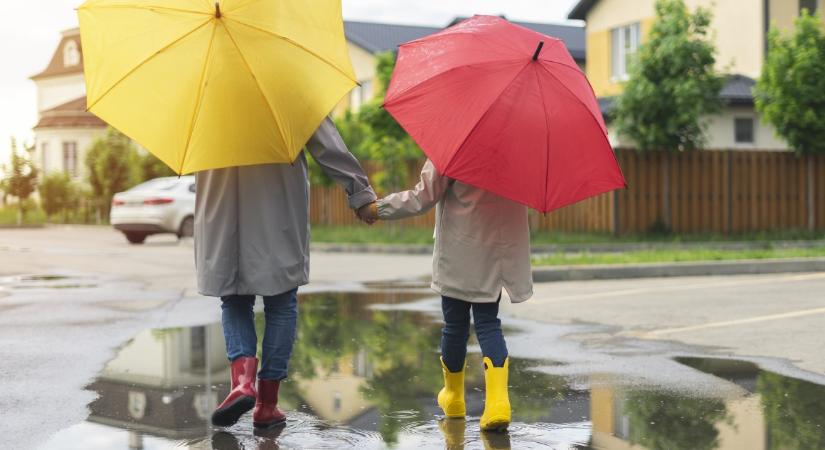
368	213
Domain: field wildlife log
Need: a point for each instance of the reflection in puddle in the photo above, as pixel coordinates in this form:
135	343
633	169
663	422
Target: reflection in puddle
46	282
43	277
365	377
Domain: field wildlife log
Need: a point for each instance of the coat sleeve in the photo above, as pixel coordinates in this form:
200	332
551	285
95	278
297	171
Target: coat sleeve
429	190
330	152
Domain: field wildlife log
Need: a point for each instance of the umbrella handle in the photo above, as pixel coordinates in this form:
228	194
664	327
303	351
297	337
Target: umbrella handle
217	10
538	50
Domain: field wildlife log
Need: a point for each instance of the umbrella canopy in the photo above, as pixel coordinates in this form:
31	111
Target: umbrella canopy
206	85
505	109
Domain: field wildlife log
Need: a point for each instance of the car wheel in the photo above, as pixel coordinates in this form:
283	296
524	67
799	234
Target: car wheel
187	227
135	238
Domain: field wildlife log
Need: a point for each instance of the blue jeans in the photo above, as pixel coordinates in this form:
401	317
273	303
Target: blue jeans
457	330
281	318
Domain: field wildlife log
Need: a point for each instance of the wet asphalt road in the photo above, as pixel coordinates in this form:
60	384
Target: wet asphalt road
57	334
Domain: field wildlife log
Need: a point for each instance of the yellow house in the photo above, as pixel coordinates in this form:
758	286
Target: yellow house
616	28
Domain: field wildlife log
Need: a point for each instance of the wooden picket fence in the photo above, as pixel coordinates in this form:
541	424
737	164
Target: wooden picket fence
710	191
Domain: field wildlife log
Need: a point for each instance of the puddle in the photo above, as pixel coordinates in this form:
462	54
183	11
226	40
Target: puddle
47	282
43	277
366	377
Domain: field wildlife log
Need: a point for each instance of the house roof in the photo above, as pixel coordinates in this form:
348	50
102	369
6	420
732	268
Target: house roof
572	35
382	37
71	114
579	12
737	91
57	66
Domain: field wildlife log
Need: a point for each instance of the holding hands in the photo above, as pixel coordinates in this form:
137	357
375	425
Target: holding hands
368	213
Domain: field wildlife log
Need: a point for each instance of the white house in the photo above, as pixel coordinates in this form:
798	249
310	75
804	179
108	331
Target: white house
65	130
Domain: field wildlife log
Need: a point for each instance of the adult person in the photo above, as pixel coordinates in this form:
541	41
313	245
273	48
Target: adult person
252	239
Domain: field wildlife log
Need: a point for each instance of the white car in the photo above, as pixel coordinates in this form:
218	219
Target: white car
162	205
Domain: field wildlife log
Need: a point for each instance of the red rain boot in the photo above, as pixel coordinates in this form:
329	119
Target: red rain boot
242	396
266	413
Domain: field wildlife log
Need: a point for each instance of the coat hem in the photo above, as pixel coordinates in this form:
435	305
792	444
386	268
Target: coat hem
227	293
483	298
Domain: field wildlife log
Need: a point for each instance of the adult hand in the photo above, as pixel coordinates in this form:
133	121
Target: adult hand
368	213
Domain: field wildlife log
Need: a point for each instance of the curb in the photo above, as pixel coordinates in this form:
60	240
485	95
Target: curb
641	246
22	227
687	269
393	249
422	249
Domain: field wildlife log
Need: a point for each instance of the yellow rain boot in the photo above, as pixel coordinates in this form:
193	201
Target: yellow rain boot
451	398
496	415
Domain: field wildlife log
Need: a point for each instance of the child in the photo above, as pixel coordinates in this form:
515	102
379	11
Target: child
482	245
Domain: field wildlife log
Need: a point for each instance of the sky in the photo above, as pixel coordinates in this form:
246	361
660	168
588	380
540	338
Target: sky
31	31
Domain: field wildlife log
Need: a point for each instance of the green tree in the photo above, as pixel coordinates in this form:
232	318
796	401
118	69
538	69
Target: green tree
20	181
662	421
790	93
794	411
58	193
672	87
355	133
112	166
386	141
151	167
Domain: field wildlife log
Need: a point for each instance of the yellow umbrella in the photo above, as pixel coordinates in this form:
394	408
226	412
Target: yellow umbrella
206	85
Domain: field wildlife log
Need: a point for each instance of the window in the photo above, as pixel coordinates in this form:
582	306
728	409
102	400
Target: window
71	54
624	43
366	91
355	99
743	130
810	5
360	95
197	347
621	420
44	156
70	158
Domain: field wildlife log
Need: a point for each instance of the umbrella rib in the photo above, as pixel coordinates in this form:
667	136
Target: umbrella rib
149	8
260	88
296	44
547	134
397	95
199	101
575	96
138	66
559	63
481	119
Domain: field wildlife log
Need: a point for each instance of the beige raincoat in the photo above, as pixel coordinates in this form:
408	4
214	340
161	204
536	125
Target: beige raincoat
482	241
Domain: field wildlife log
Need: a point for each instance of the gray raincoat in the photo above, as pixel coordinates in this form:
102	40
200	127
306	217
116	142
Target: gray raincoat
252	223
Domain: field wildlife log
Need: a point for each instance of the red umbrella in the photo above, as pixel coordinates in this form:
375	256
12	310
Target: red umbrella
505	109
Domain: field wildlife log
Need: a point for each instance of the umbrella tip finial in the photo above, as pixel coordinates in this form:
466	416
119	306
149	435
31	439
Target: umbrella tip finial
538	51
217	10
